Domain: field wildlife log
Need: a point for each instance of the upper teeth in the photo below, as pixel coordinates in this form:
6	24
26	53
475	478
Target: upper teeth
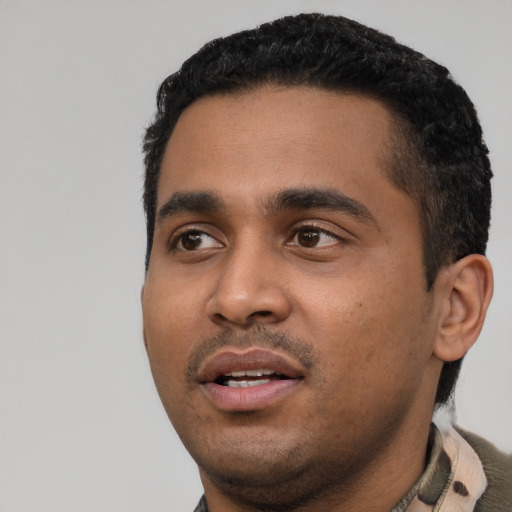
252	373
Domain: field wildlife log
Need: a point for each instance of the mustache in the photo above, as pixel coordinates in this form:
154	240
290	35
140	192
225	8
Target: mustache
258	336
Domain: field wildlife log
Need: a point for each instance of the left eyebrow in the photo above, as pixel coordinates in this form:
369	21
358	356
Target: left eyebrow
319	199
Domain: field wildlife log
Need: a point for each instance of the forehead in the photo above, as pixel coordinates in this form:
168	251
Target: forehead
272	138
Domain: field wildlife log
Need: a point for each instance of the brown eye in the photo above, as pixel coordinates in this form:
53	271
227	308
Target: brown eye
191	241
311	237
195	240
308	237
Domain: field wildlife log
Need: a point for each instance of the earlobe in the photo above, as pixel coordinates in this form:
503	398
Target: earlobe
466	290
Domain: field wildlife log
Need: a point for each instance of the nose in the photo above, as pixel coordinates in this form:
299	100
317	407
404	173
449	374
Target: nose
249	290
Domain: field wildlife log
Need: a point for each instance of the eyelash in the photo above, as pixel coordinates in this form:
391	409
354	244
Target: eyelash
294	232
314	227
178	238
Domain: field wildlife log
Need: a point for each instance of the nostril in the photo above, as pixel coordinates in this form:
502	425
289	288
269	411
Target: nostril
255	317
231	306
260	313
220	317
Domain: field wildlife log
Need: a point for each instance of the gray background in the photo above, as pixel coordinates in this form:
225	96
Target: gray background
81	426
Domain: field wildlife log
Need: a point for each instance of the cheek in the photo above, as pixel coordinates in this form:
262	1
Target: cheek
372	334
170	307
169	323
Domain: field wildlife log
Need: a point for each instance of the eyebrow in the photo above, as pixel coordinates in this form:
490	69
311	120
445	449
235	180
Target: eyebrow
319	199
307	198
190	202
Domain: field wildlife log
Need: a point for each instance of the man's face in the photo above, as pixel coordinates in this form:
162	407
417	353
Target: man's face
285	313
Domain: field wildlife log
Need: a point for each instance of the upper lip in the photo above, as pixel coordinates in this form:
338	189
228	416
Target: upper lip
231	360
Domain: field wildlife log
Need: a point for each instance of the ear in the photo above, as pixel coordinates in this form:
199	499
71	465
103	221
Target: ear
466	289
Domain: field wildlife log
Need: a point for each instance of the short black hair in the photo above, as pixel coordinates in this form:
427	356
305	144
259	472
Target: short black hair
439	157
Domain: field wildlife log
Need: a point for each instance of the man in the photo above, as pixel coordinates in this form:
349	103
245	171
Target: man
317	201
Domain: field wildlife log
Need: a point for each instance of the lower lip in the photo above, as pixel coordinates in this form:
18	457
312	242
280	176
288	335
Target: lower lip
252	398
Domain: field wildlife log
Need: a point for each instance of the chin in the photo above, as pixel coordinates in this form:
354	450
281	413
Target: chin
277	475
277	487
252	463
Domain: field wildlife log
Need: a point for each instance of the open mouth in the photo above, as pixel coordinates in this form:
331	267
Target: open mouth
248	378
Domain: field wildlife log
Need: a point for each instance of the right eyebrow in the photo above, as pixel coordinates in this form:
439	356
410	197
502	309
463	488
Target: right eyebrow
190	202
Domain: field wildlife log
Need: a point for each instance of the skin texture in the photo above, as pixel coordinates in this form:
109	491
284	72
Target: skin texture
339	294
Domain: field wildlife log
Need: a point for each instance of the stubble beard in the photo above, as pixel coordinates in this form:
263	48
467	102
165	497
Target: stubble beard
285	475
283	478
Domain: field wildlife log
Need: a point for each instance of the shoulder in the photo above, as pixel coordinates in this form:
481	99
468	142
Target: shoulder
498	471
201	506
